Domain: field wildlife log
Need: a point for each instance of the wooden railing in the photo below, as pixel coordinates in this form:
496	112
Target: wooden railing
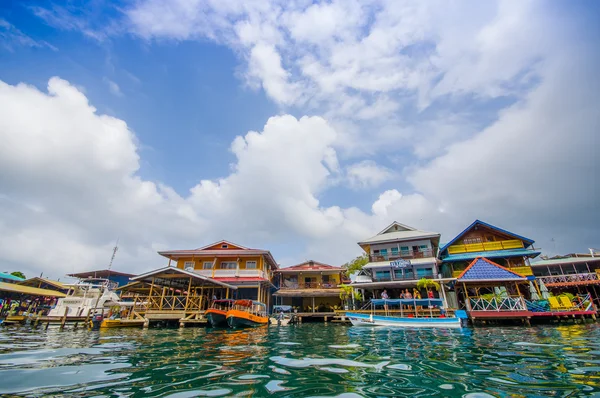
405	255
486	246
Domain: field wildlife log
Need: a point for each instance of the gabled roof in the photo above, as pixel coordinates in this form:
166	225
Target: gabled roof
479	222
311	266
36	281
400	227
29	291
221	242
482	269
402	233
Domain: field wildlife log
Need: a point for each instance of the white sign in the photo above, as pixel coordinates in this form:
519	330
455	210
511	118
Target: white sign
400	263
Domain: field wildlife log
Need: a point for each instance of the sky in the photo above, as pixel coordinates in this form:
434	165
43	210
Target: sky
300	127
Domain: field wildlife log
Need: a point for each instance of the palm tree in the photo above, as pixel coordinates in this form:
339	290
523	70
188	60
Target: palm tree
427	284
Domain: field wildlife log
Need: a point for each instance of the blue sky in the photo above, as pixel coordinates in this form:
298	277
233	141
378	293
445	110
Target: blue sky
365	113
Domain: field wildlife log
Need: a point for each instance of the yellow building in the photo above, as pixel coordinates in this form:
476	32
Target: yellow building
250	270
310	287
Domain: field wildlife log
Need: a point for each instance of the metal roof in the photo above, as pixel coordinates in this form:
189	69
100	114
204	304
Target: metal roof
30	291
491	254
524	239
568	260
174	272
482	269
102	273
35	281
311	266
400	236
6	275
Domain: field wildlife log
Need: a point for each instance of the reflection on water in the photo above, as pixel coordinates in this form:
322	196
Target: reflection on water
305	360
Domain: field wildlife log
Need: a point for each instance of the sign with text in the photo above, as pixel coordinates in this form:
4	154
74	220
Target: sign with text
400	263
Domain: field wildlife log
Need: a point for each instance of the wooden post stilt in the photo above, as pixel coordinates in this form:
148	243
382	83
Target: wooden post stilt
64	318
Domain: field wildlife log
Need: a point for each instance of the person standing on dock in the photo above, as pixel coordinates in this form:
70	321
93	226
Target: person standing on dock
385	296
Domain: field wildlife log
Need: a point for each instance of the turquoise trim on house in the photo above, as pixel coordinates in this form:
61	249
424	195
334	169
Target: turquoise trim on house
491	254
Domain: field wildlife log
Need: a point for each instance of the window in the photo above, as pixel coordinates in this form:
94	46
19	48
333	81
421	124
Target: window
404	250
489	238
224	246
250	264
228	265
382	275
383	252
423	248
394	251
422	272
188	264
469	241
207	265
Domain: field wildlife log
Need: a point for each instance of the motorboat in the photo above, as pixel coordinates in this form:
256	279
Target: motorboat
86	297
217	313
247	313
282	315
420	314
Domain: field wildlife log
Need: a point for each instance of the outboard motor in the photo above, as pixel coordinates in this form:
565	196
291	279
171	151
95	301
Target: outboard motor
97	321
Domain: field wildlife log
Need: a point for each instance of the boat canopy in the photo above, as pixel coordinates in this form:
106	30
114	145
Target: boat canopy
259	303
413	302
223	301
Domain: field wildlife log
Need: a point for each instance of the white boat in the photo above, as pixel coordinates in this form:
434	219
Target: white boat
282	315
88	295
417	320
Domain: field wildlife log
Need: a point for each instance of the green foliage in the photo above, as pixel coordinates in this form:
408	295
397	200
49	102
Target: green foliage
357	264
18	274
426	284
567	295
346	293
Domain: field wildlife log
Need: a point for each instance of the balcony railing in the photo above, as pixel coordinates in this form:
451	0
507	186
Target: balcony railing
486	246
227	273
554	280
309	285
405	255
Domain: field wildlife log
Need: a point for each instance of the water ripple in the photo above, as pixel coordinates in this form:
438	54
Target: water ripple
309	360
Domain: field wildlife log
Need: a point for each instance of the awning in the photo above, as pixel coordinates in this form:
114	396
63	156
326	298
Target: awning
29	291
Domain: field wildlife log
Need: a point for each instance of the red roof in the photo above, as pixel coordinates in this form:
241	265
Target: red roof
311	266
103	273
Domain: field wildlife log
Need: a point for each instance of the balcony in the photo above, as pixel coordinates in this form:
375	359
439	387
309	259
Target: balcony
229	273
486	246
392	278
309	285
405	255
571	279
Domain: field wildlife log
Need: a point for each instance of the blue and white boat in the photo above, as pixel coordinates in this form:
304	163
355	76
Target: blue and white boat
393	314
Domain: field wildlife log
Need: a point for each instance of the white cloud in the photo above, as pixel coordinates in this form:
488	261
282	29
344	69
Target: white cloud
11	37
113	87
367	174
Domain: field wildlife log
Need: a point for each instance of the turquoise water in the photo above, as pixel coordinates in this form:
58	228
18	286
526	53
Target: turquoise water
307	360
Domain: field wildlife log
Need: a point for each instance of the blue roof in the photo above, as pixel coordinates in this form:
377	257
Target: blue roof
524	239
491	254
484	269
4	275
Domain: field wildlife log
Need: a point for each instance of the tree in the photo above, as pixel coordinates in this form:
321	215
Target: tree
357	264
18	274
426	284
347	292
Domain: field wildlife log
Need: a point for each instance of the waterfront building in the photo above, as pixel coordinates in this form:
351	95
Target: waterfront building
399	256
573	273
310	287
249	270
481	239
